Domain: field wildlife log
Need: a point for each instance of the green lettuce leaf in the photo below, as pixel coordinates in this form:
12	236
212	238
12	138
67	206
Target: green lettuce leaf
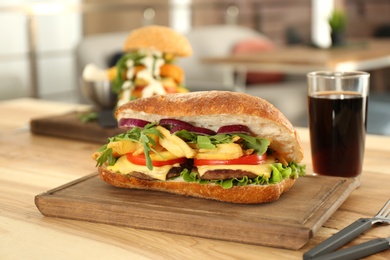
279	173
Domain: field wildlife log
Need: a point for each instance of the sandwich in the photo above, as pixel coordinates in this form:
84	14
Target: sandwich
220	145
147	66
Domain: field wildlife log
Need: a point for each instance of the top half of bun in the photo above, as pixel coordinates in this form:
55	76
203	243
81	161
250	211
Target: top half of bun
212	109
159	38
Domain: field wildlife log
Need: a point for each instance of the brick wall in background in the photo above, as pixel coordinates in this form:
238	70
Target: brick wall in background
274	18
279	18
104	16
365	16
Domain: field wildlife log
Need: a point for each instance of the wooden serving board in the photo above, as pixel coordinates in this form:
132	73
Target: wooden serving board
70	126
286	223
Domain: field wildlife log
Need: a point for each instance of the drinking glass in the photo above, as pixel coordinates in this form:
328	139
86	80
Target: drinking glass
337	103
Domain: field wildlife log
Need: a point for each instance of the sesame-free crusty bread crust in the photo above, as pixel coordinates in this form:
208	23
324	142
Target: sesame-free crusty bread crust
213	109
160	38
252	194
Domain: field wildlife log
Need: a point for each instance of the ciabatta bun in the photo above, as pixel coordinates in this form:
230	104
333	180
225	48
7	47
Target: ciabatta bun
159	38
212	109
251	194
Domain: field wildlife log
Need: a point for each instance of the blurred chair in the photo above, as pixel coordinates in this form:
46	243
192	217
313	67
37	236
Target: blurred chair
289	96
216	40
99	49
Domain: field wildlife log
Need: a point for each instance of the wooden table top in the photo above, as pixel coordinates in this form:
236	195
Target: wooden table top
32	164
356	55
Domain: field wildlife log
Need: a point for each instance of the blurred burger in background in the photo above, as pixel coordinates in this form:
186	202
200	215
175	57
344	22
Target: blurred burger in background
145	66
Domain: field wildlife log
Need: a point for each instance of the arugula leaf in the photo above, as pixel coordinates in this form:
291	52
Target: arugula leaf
260	145
88	117
105	156
223	138
136	134
205	142
187	136
122	68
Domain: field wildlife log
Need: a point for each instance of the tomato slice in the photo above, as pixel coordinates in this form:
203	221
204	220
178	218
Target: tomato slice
141	160
253	159
170	89
137	92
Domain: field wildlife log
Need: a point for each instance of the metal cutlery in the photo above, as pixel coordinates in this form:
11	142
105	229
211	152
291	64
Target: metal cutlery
326	249
358	251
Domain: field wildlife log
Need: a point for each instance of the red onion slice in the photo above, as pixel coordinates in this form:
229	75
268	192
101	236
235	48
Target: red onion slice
193	129
177	128
203	131
176	125
170	123
128	123
229	129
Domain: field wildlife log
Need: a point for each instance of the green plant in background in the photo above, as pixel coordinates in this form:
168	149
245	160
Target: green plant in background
337	21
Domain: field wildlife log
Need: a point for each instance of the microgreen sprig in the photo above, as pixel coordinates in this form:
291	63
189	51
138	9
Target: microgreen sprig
136	134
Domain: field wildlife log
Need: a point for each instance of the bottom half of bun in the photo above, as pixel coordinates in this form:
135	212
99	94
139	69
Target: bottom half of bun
250	194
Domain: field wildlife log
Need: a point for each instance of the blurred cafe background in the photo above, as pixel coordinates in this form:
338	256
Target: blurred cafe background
46	44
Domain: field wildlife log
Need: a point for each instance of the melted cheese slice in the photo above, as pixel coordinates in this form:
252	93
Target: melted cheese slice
262	169
123	166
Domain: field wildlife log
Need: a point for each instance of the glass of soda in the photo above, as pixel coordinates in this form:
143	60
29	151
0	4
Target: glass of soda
337	103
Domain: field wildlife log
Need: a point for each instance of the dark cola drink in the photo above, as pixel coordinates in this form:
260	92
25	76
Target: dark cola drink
338	126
